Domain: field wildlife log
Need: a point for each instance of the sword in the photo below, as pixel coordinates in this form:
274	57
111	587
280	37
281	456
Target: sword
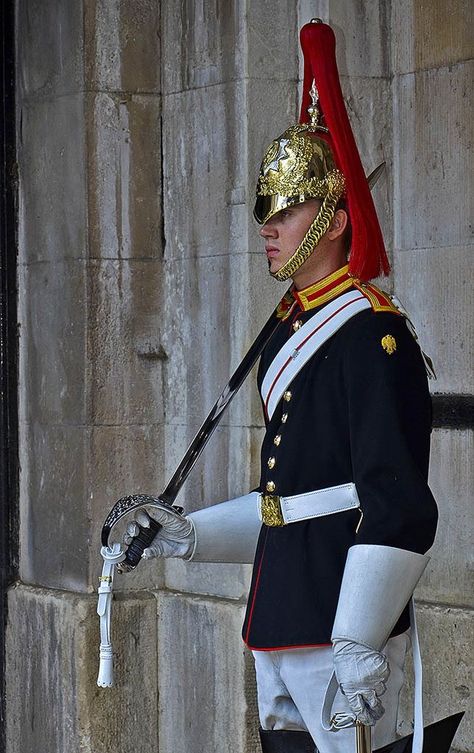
114	555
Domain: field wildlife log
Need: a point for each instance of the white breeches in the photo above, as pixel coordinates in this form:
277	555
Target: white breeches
291	686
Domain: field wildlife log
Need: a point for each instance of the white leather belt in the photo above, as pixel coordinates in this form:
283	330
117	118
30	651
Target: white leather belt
279	511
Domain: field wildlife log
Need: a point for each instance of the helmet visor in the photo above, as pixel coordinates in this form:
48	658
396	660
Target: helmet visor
267	206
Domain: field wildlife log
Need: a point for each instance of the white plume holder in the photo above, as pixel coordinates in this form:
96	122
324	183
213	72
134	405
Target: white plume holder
111	555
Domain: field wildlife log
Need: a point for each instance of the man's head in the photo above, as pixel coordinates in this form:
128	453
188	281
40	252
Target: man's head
298	190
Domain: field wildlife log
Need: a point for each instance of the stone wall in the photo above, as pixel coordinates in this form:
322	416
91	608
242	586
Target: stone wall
142	284
91	389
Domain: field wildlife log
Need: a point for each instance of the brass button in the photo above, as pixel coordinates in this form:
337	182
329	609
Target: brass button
270	487
277	439
271	462
287	396
297	325
284	418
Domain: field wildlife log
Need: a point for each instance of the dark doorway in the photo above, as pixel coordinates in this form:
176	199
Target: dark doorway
8	337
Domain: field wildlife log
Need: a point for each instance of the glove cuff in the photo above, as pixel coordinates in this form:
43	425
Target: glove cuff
377	584
227	532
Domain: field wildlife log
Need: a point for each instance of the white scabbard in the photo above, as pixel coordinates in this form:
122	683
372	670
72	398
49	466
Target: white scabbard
111	556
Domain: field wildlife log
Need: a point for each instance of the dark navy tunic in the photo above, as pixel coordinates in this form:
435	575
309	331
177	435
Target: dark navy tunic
356	412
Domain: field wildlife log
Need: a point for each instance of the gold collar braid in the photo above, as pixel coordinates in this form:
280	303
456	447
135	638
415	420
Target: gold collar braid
318	227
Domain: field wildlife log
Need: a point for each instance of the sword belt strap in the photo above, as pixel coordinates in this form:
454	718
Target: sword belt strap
279	511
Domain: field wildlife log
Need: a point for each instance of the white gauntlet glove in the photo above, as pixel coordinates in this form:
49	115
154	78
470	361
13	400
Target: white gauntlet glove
361	674
174	539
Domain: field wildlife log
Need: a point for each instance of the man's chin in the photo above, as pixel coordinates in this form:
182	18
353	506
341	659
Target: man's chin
273	266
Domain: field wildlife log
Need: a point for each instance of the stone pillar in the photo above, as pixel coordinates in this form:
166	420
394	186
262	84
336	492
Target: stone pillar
432	51
226	94
91	397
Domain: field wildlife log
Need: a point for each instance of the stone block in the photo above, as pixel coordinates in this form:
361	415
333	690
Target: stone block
431	34
449	576
205	170
49	47
268	32
434	286
447	645
207	687
209	48
125	356
52	323
433	136
122	42
197	334
212	324
54	532
54	704
51	163
124	176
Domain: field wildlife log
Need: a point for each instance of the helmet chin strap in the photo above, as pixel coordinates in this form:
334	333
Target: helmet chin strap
318	227
335	189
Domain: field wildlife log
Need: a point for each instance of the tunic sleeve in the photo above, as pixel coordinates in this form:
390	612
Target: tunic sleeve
389	409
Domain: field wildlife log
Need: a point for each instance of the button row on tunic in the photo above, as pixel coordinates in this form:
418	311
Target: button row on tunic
271	462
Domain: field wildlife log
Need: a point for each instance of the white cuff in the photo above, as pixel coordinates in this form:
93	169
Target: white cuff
227	532
377	584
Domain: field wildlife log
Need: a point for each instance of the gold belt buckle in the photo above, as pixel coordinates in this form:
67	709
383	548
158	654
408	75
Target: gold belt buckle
270	508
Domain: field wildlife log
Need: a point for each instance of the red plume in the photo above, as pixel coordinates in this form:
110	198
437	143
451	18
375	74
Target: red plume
368	257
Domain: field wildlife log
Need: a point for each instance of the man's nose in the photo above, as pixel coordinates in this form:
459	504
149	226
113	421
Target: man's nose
268	230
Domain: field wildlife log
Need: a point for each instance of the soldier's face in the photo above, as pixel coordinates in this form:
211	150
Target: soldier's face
284	232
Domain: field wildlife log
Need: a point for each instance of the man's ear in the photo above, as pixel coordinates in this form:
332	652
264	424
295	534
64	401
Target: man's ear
338	224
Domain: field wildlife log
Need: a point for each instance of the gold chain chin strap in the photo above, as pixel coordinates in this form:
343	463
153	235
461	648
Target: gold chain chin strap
336	185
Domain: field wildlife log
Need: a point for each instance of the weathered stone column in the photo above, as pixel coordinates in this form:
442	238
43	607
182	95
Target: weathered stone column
432	51
227	92
90	271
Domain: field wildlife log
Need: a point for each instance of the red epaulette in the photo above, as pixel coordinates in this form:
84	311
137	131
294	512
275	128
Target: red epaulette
379	299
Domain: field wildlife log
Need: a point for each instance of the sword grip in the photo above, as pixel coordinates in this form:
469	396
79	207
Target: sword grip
140	543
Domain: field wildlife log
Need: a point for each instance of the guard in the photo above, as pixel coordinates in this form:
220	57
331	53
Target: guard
338	528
